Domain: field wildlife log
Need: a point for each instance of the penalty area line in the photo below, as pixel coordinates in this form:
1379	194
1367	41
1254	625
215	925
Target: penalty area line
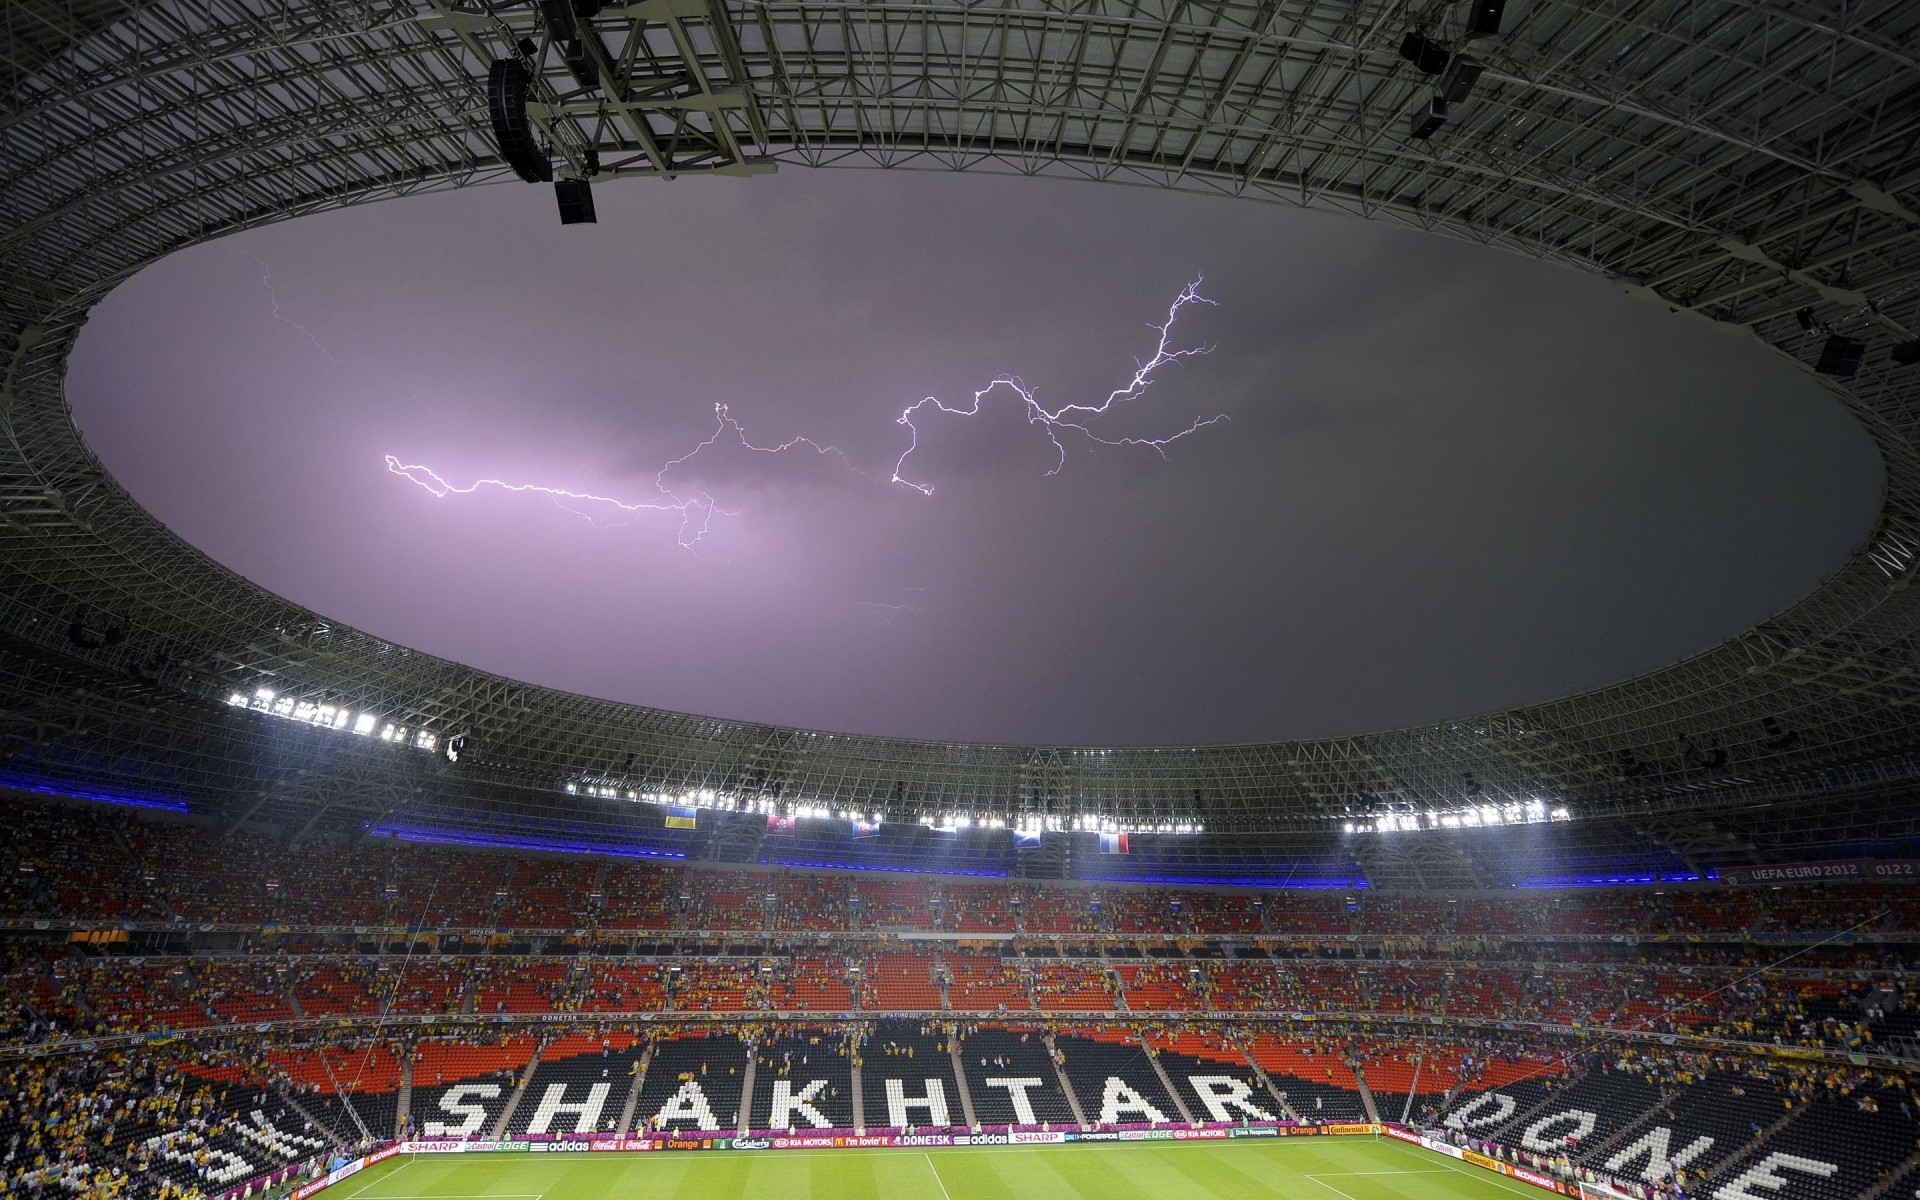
1337	1191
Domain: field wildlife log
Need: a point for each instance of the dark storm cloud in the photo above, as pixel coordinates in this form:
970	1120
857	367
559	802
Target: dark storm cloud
1451	479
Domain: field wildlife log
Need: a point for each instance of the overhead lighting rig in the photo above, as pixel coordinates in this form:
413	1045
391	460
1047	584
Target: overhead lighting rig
1458	73
327	714
1471	816
613	787
580	91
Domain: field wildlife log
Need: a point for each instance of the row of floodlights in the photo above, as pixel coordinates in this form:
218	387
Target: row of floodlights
328	716
1083	823
1473	816
710	798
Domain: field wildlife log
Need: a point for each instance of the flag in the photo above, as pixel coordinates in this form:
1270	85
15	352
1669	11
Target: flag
1113	843
682	818
1025	838
866	829
778	824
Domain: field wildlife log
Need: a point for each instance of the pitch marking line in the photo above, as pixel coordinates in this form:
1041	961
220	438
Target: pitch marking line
1337	1191
936	1175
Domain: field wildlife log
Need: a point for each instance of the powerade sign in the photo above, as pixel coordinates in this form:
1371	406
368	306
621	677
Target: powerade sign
1122	1135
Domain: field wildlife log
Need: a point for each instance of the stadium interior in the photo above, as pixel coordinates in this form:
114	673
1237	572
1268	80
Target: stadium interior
196	1008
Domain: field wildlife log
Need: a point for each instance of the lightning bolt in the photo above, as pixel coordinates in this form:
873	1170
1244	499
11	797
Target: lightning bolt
913	605
273	300
1055	420
697	509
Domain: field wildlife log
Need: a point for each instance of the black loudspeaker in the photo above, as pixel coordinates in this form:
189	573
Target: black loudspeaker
576	201
1841	356
1462	74
1906	354
520	148
1483	17
1428	119
1427	55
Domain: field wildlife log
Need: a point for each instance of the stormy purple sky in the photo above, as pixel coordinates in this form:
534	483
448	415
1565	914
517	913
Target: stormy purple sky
1452	479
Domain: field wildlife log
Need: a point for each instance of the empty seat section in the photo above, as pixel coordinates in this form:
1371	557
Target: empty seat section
899	981
1704	1125
803	984
1072	987
1312	1080
1011	1079
985	984
802	1074
1114	1080
460	1090
625	987
580	1086
1843	1141
693	1082
1214	1078
906	1076
1589	1110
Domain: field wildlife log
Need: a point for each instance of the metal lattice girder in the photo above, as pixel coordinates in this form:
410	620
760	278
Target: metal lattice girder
1738	161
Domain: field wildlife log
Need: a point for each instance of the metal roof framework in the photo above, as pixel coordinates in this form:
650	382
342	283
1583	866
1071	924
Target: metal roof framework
1740	162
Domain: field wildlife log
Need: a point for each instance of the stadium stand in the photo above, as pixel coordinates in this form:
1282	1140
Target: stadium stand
1481	1015
907	1074
579	1086
798	1068
693	1082
1028	1089
1114	1079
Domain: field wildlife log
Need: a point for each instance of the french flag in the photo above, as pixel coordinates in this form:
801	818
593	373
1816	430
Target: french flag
1113	843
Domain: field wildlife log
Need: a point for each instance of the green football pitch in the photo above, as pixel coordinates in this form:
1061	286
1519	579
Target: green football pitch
1348	1168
